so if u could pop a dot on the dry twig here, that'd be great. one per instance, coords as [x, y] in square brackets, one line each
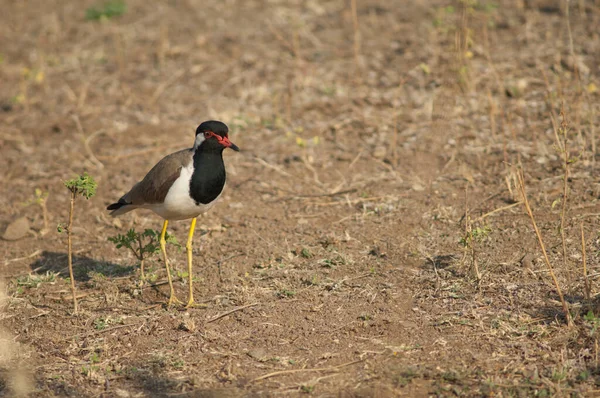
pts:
[291, 371]
[223, 315]
[542, 246]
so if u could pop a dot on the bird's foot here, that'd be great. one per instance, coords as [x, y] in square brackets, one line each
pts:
[193, 304]
[174, 300]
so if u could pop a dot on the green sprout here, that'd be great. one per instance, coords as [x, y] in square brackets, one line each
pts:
[83, 185]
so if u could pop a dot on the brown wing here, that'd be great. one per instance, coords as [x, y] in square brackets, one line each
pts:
[155, 186]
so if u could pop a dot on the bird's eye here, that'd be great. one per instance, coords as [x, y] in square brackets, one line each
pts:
[206, 134]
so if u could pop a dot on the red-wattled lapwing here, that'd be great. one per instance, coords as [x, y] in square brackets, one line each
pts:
[183, 185]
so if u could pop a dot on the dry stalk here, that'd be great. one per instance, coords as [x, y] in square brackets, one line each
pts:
[564, 128]
[492, 111]
[571, 47]
[141, 258]
[542, 246]
[70, 249]
[356, 33]
[553, 117]
[395, 123]
[469, 241]
[586, 282]
[291, 371]
[223, 315]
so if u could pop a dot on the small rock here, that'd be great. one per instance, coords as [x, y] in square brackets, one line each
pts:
[122, 393]
[418, 187]
[260, 354]
[527, 261]
[16, 229]
[117, 223]
[187, 325]
[511, 286]
[571, 63]
[379, 152]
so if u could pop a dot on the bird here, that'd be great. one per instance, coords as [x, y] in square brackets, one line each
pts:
[182, 186]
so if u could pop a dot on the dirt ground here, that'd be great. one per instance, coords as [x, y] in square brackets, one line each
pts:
[381, 147]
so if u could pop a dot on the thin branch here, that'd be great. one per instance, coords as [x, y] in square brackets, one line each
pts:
[70, 250]
[223, 315]
[564, 129]
[291, 371]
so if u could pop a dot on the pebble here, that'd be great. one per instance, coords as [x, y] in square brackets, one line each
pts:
[16, 229]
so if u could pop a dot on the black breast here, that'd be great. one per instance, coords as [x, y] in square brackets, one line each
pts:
[208, 178]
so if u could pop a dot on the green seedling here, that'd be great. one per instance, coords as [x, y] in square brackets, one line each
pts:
[84, 185]
[286, 293]
[142, 244]
[114, 8]
[475, 235]
[34, 281]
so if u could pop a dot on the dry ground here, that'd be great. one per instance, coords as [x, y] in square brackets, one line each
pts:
[337, 244]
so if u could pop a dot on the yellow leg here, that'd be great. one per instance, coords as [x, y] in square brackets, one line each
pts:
[163, 248]
[188, 248]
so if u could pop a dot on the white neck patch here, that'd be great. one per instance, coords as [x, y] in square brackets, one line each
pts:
[199, 140]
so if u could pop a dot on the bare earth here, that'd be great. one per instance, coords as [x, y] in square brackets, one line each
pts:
[333, 264]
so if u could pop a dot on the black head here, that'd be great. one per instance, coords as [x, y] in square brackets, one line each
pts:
[215, 135]
[215, 126]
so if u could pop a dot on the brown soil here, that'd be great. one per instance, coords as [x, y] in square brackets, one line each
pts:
[333, 264]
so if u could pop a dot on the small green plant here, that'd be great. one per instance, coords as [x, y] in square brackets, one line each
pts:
[103, 322]
[475, 235]
[286, 293]
[142, 244]
[305, 253]
[84, 185]
[113, 8]
[365, 317]
[405, 377]
[94, 357]
[34, 281]
[593, 323]
[178, 363]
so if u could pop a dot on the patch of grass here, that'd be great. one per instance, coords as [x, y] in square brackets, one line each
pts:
[405, 377]
[94, 357]
[178, 363]
[314, 281]
[104, 322]
[593, 322]
[365, 317]
[88, 371]
[284, 293]
[110, 9]
[34, 281]
[334, 261]
[307, 389]
[305, 253]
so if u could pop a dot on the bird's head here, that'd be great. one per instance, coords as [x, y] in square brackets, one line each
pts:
[213, 134]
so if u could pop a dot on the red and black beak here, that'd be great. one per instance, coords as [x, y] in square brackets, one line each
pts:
[228, 144]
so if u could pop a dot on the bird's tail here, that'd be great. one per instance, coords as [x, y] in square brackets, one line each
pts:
[121, 207]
